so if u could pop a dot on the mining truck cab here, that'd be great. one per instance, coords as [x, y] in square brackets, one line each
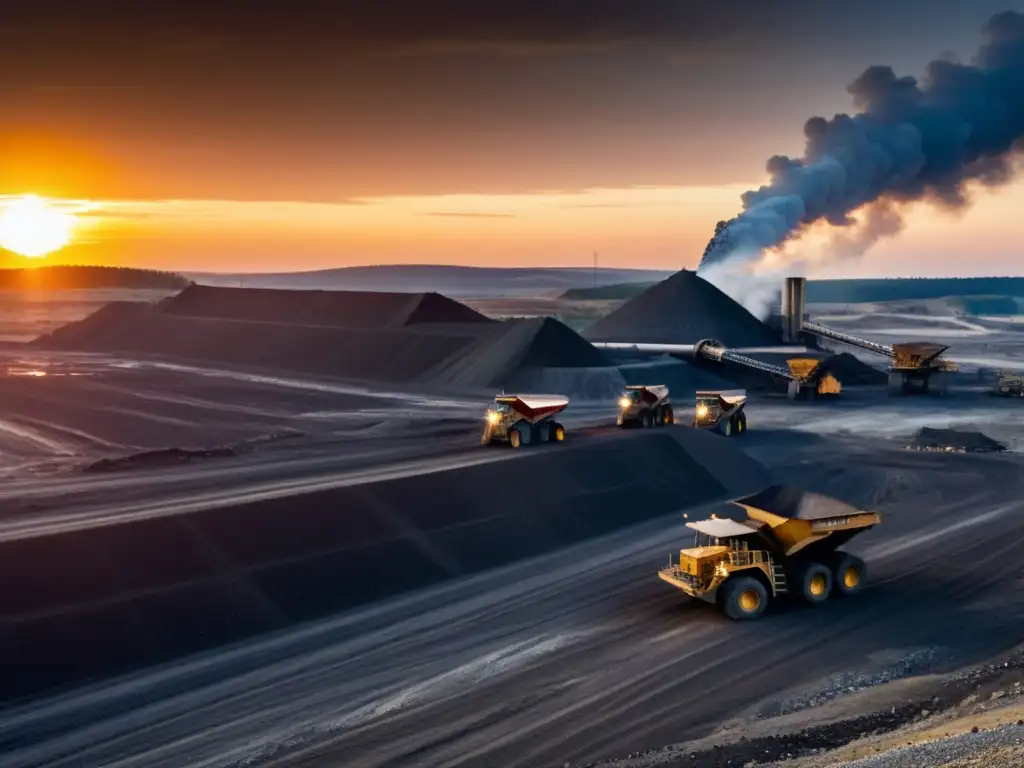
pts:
[721, 411]
[645, 405]
[524, 419]
[722, 548]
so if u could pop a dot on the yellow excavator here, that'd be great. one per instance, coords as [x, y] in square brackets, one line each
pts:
[787, 545]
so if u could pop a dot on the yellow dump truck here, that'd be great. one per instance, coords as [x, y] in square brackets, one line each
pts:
[787, 545]
[810, 379]
[1009, 384]
[646, 405]
[721, 410]
[524, 419]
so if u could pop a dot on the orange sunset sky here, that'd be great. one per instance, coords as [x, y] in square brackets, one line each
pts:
[207, 140]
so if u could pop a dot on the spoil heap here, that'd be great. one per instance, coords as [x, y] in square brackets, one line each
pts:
[851, 370]
[342, 309]
[378, 337]
[953, 440]
[524, 346]
[683, 309]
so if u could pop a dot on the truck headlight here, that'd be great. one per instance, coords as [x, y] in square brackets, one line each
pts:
[624, 402]
[492, 418]
[702, 411]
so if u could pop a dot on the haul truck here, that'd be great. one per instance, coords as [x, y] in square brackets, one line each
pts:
[788, 545]
[646, 405]
[1009, 385]
[524, 419]
[721, 410]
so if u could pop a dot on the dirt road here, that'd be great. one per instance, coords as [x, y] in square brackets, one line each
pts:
[572, 657]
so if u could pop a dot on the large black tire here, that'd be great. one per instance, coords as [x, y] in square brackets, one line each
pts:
[515, 437]
[744, 598]
[557, 432]
[648, 419]
[728, 426]
[543, 433]
[670, 416]
[814, 583]
[849, 574]
[741, 418]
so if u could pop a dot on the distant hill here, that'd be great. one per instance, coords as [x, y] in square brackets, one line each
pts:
[67, 278]
[904, 288]
[455, 281]
[612, 292]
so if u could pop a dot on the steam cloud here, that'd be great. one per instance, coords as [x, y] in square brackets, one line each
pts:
[907, 142]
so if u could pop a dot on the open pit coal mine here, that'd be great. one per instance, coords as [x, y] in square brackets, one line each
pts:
[493, 611]
[135, 592]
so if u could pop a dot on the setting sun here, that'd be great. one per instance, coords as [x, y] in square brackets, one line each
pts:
[32, 227]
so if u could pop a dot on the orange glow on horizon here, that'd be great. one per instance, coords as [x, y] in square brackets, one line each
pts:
[630, 227]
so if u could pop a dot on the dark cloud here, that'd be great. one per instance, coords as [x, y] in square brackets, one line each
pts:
[330, 99]
[910, 140]
[190, 26]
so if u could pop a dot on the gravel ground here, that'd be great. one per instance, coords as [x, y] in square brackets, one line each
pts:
[916, 662]
[1006, 742]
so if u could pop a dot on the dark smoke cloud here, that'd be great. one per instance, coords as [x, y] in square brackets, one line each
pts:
[909, 141]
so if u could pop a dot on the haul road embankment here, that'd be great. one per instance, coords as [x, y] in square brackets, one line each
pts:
[138, 588]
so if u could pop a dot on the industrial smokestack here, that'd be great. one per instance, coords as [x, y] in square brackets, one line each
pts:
[794, 308]
[909, 141]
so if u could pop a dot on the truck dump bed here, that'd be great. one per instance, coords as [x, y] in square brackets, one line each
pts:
[799, 518]
[651, 393]
[730, 398]
[534, 407]
[915, 355]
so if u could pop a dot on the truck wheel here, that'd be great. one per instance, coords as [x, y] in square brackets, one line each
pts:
[658, 417]
[745, 598]
[848, 574]
[727, 427]
[647, 419]
[557, 433]
[670, 417]
[815, 583]
[514, 438]
[742, 419]
[544, 433]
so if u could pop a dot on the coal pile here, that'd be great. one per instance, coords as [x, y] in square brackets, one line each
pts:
[954, 441]
[851, 371]
[148, 590]
[342, 309]
[679, 376]
[379, 337]
[683, 309]
[525, 347]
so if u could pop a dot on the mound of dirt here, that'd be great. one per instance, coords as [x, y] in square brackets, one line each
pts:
[101, 323]
[347, 309]
[851, 371]
[531, 344]
[682, 378]
[398, 355]
[423, 338]
[150, 589]
[160, 458]
[932, 439]
[683, 309]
